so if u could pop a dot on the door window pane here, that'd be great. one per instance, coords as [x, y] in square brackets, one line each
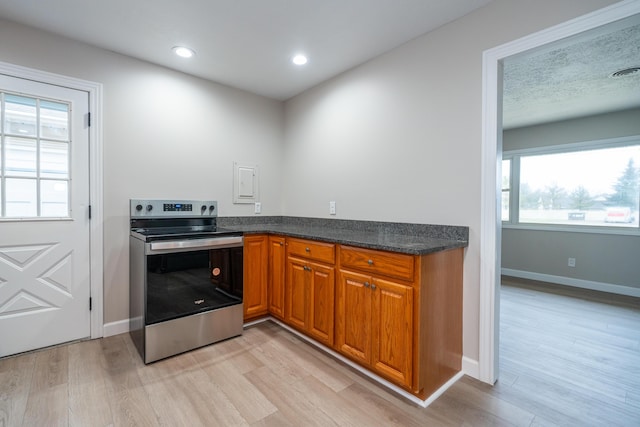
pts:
[35, 157]
[54, 159]
[21, 197]
[20, 157]
[54, 198]
[54, 120]
[20, 115]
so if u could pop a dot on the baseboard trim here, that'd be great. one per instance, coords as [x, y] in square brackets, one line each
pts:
[115, 328]
[366, 372]
[576, 283]
[471, 367]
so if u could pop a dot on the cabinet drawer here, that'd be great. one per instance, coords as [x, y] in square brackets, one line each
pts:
[325, 252]
[378, 262]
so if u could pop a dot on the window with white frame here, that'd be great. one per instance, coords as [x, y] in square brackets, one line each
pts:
[34, 157]
[590, 184]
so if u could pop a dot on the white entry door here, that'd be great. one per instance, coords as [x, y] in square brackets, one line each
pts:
[44, 215]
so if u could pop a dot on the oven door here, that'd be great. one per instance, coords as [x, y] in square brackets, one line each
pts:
[186, 277]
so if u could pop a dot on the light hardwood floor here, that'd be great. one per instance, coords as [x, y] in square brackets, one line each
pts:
[564, 361]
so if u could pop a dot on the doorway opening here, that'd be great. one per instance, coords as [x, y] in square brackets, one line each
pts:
[492, 146]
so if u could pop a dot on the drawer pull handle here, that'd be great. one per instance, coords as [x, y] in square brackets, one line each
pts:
[370, 262]
[307, 249]
[307, 268]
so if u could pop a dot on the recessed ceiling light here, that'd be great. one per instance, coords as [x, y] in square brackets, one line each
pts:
[183, 52]
[299, 60]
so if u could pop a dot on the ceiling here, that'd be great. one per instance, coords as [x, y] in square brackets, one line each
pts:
[248, 44]
[572, 77]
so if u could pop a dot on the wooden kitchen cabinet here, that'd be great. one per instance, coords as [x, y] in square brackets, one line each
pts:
[256, 269]
[310, 288]
[401, 315]
[374, 324]
[277, 260]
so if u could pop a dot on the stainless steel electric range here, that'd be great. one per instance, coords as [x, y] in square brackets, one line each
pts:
[185, 277]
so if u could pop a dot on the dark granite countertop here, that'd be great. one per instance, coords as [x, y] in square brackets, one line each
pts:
[414, 239]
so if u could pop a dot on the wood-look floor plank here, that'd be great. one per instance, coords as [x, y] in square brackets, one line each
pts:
[250, 402]
[293, 407]
[88, 402]
[15, 382]
[48, 403]
[129, 400]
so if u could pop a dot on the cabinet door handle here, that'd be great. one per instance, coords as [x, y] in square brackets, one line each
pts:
[370, 262]
[307, 249]
[281, 243]
[373, 287]
[366, 284]
[306, 268]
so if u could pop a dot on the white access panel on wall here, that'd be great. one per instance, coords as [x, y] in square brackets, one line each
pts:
[245, 183]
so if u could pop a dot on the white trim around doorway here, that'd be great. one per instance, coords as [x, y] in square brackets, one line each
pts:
[490, 232]
[95, 176]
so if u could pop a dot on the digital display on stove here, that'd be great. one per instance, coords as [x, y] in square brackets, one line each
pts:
[177, 207]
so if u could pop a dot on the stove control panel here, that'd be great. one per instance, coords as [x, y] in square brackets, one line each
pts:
[144, 208]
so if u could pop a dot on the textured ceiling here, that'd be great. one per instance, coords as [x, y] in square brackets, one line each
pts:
[572, 78]
[246, 44]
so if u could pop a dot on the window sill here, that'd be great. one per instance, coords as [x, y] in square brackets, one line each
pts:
[623, 231]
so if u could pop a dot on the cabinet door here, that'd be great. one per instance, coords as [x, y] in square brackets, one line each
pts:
[296, 293]
[276, 276]
[321, 302]
[392, 330]
[255, 276]
[353, 316]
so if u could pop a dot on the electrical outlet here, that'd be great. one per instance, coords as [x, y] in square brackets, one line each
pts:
[258, 207]
[332, 208]
[571, 262]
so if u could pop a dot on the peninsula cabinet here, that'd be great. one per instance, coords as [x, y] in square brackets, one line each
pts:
[401, 315]
[256, 268]
[277, 260]
[310, 288]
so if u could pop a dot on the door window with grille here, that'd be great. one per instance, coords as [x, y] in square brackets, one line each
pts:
[34, 157]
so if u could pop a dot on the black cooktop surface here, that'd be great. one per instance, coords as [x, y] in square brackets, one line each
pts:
[173, 233]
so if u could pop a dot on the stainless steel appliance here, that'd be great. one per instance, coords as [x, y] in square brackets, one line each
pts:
[185, 277]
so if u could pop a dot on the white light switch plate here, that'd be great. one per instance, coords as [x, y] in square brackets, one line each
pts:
[258, 207]
[332, 208]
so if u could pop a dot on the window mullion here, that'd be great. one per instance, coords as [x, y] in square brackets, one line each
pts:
[515, 190]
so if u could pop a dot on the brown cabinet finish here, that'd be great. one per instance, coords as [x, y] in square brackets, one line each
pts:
[401, 315]
[256, 269]
[310, 288]
[374, 324]
[308, 249]
[277, 259]
[399, 266]
[392, 330]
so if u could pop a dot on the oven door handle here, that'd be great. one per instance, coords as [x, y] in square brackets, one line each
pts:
[213, 243]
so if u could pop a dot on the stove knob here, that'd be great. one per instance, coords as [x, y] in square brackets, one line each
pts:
[149, 207]
[203, 208]
[211, 208]
[138, 208]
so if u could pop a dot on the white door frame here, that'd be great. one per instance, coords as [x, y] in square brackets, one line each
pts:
[490, 226]
[95, 176]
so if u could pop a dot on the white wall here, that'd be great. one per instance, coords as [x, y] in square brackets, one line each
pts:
[398, 138]
[166, 135]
